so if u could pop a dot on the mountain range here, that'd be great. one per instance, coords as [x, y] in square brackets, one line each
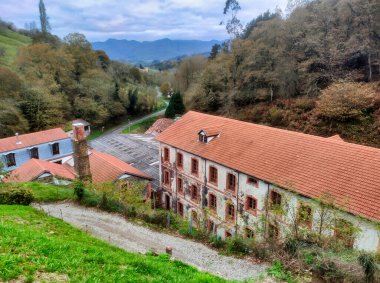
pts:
[148, 51]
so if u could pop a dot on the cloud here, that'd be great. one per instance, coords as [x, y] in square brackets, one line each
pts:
[135, 19]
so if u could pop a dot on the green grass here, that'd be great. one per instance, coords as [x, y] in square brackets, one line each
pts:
[43, 192]
[140, 127]
[11, 42]
[31, 242]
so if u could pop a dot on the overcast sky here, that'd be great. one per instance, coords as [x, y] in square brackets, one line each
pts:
[134, 19]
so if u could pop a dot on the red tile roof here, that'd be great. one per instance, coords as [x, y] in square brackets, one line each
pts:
[34, 168]
[104, 168]
[107, 168]
[159, 126]
[309, 165]
[27, 140]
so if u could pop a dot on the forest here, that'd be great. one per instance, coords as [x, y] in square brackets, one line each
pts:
[315, 69]
[47, 82]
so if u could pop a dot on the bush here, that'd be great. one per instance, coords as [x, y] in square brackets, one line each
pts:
[78, 189]
[237, 245]
[367, 262]
[21, 197]
[328, 271]
[291, 246]
[217, 242]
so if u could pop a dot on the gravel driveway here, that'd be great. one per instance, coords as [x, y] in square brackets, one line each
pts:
[131, 237]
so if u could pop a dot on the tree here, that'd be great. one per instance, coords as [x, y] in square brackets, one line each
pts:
[44, 19]
[233, 25]
[11, 120]
[165, 88]
[175, 107]
[42, 109]
[215, 49]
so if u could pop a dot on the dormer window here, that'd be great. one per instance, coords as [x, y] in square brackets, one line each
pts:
[202, 137]
[206, 135]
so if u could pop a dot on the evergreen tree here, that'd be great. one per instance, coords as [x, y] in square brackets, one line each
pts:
[175, 107]
[45, 26]
[214, 51]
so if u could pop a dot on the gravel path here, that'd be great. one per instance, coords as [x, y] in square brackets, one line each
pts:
[138, 239]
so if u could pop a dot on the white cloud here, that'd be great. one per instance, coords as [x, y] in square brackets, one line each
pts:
[135, 19]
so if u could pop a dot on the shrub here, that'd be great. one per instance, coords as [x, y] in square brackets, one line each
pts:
[237, 245]
[291, 246]
[217, 242]
[21, 197]
[328, 271]
[368, 265]
[78, 189]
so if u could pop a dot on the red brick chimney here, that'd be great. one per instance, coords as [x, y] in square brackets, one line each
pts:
[81, 157]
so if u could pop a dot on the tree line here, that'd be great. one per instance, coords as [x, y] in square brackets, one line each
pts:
[54, 81]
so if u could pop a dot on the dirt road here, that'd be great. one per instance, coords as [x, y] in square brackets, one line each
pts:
[134, 238]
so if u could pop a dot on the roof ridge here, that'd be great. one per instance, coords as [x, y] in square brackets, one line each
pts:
[324, 139]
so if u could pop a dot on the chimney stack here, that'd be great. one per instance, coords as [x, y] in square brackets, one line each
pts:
[81, 157]
[18, 139]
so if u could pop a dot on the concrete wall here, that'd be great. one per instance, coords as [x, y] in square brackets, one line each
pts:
[367, 237]
[44, 150]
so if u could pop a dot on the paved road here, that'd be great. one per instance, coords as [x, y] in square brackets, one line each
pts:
[139, 150]
[134, 238]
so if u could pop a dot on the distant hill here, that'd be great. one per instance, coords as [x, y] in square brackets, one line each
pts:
[11, 41]
[149, 51]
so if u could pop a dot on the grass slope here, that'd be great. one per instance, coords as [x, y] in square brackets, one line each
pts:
[43, 192]
[11, 41]
[32, 244]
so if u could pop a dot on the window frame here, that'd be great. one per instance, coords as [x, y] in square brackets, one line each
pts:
[179, 154]
[253, 181]
[301, 219]
[180, 181]
[228, 187]
[55, 148]
[230, 217]
[166, 154]
[180, 211]
[10, 162]
[210, 175]
[211, 207]
[191, 167]
[195, 188]
[273, 204]
[34, 150]
[247, 207]
[168, 179]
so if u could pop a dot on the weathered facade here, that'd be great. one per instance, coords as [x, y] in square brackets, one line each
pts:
[230, 200]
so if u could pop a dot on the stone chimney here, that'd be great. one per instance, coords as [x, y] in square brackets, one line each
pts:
[81, 157]
[18, 139]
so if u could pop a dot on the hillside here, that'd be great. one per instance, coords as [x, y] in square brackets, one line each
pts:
[11, 41]
[315, 71]
[148, 51]
[34, 246]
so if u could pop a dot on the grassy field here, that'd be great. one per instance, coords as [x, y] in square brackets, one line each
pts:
[11, 41]
[35, 246]
[43, 192]
[140, 127]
